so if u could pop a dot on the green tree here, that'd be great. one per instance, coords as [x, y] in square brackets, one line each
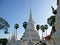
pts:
[25, 25]
[16, 26]
[46, 27]
[53, 30]
[43, 30]
[53, 10]
[3, 41]
[4, 25]
[37, 27]
[6, 31]
[51, 21]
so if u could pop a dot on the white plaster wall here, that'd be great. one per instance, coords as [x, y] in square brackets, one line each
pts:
[56, 35]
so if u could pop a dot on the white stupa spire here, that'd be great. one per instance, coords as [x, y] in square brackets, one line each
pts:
[31, 33]
[30, 17]
[31, 24]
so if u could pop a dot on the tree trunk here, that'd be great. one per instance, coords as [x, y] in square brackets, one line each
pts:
[46, 32]
[42, 35]
[16, 33]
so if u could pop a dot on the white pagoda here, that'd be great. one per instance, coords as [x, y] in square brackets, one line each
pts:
[30, 36]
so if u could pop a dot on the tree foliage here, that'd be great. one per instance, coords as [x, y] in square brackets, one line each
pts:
[42, 28]
[51, 20]
[16, 26]
[53, 30]
[25, 25]
[46, 26]
[37, 27]
[3, 41]
[53, 10]
[4, 25]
